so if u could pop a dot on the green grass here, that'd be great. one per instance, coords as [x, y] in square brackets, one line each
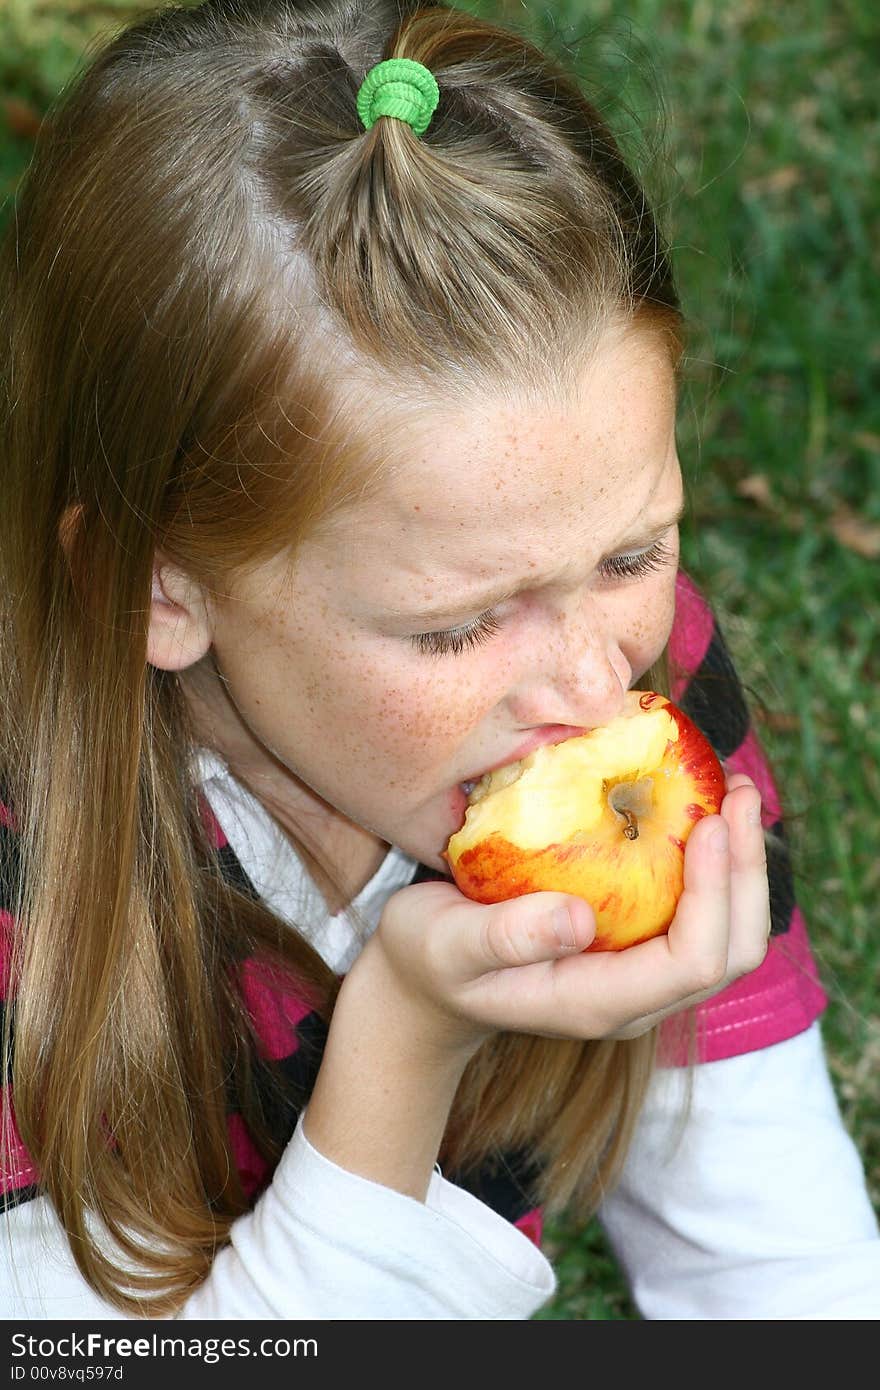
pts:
[768, 178]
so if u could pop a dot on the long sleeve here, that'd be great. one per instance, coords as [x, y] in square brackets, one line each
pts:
[757, 1206]
[320, 1243]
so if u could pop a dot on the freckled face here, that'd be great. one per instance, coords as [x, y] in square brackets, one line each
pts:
[564, 520]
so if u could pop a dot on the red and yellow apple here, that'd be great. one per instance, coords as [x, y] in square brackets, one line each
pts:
[604, 816]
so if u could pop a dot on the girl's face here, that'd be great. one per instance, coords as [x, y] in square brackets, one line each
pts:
[505, 587]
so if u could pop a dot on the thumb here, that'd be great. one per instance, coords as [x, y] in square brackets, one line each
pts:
[534, 927]
[474, 938]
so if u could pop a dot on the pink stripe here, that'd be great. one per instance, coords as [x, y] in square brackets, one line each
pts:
[778, 1000]
[691, 630]
[213, 828]
[7, 818]
[749, 758]
[531, 1223]
[253, 1169]
[274, 1006]
[16, 1168]
[784, 995]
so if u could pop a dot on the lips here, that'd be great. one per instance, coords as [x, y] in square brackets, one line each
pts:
[548, 733]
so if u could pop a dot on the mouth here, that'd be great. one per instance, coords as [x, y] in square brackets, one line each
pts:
[548, 733]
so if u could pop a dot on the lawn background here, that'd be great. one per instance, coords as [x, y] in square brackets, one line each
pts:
[756, 131]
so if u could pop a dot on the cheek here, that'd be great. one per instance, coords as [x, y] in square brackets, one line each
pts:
[380, 705]
[647, 622]
[423, 709]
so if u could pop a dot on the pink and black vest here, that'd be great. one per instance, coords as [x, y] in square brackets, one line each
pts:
[780, 999]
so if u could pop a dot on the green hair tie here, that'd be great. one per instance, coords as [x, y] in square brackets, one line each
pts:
[401, 88]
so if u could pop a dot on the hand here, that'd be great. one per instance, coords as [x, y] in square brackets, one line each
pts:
[520, 965]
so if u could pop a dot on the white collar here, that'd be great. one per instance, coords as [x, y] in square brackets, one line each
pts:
[278, 875]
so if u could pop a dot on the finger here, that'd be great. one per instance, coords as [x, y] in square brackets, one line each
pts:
[737, 779]
[749, 888]
[699, 934]
[532, 928]
[471, 939]
[540, 926]
[625, 992]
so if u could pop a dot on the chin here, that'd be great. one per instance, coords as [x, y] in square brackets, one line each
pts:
[424, 831]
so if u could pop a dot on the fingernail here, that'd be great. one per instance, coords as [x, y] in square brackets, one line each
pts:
[719, 839]
[563, 928]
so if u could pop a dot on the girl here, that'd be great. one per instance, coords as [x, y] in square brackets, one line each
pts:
[339, 466]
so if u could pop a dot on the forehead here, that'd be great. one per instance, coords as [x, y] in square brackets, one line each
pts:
[505, 473]
[503, 457]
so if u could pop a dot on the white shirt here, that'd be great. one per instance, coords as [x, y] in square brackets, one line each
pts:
[757, 1208]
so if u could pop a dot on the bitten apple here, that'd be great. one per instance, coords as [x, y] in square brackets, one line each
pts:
[605, 816]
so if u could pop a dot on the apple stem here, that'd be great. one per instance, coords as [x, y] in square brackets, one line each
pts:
[631, 829]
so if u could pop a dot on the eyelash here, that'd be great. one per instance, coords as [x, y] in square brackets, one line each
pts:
[455, 640]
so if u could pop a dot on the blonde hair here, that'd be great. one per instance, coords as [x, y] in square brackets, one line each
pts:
[211, 271]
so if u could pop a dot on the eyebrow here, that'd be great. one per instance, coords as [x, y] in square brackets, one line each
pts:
[482, 602]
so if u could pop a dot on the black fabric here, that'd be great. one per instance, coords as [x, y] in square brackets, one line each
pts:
[506, 1184]
[16, 1197]
[284, 1086]
[231, 869]
[425, 875]
[715, 700]
[10, 867]
[781, 879]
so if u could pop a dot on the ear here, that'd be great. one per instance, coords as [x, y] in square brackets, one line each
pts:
[180, 631]
[181, 628]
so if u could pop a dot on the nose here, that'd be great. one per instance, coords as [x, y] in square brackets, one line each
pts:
[580, 676]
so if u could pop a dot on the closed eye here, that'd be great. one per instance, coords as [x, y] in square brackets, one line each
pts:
[454, 640]
[637, 565]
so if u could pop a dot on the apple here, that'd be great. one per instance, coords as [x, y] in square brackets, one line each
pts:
[604, 815]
